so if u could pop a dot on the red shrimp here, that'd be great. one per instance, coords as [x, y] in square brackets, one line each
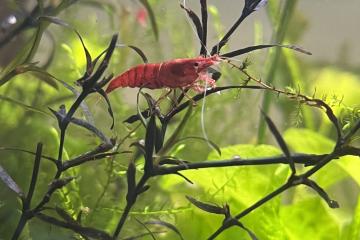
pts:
[177, 73]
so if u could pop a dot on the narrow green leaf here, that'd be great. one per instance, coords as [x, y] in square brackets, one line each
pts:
[38, 72]
[26, 107]
[26, 151]
[279, 35]
[152, 18]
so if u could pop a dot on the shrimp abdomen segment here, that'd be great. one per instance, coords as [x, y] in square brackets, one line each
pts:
[144, 75]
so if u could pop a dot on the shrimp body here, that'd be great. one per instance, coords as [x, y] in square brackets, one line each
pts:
[177, 73]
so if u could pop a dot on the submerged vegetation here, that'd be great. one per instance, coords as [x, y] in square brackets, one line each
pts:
[264, 154]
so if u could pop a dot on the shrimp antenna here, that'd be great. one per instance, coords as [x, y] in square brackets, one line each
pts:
[203, 118]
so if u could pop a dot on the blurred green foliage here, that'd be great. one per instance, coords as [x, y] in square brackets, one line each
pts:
[230, 118]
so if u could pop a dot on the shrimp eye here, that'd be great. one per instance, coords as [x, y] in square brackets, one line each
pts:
[196, 64]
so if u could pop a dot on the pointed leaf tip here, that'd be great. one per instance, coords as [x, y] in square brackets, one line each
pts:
[9, 182]
[206, 207]
[260, 4]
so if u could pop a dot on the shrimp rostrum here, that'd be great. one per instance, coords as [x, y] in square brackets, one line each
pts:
[183, 73]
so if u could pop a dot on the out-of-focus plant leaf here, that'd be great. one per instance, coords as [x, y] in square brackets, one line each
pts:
[351, 166]
[297, 217]
[107, 6]
[152, 18]
[41, 6]
[141, 235]
[26, 54]
[58, 21]
[354, 232]
[273, 11]
[167, 225]
[278, 36]
[9, 182]
[213, 145]
[26, 151]
[39, 72]
[55, 20]
[307, 141]
[26, 107]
